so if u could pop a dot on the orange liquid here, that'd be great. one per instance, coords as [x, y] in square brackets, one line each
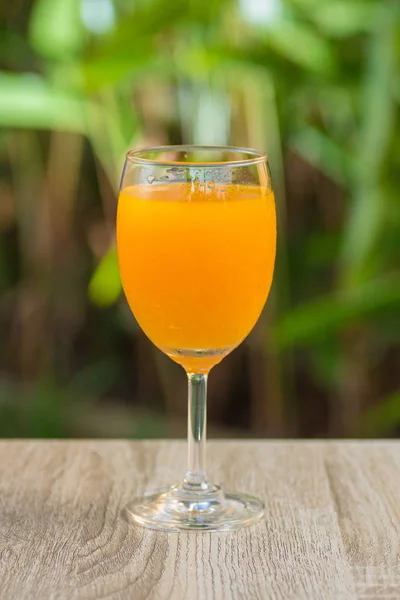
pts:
[196, 267]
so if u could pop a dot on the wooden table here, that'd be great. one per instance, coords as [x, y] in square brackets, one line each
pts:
[332, 528]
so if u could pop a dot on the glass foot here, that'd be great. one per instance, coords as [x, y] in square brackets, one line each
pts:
[181, 508]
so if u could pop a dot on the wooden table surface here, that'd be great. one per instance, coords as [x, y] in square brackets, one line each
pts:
[332, 527]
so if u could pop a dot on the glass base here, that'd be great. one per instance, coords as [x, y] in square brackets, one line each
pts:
[208, 509]
[197, 360]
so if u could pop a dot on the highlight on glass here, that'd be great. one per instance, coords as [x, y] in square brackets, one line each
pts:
[196, 237]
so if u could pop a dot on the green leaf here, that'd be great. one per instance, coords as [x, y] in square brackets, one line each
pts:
[319, 319]
[105, 286]
[131, 49]
[324, 153]
[144, 43]
[95, 380]
[300, 44]
[328, 362]
[44, 410]
[342, 18]
[383, 418]
[104, 70]
[56, 28]
[366, 216]
[113, 130]
[28, 101]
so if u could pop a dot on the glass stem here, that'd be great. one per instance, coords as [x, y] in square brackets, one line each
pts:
[197, 411]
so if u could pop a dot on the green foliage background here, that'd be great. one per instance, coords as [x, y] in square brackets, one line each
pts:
[314, 82]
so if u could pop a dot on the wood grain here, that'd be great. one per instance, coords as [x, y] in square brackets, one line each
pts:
[332, 528]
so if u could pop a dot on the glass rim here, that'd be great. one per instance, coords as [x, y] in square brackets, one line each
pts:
[255, 156]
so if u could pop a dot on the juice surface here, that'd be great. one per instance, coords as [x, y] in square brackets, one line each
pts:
[196, 266]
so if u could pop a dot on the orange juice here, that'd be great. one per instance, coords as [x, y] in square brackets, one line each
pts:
[196, 264]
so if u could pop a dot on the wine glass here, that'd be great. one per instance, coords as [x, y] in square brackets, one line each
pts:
[196, 237]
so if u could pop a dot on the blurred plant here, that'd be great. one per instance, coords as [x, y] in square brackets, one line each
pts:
[314, 82]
